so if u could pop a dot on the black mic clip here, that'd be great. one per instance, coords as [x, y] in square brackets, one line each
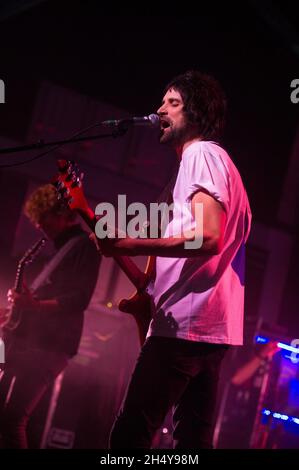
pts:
[152, 120]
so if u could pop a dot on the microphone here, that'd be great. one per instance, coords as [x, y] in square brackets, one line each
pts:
[151, 120]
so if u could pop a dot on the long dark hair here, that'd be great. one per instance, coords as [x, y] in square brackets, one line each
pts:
[204, 102]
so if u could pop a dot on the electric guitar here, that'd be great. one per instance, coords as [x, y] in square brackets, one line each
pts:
[13, 315]
[68, 184]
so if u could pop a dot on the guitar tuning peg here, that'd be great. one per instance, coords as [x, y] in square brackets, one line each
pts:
[69, 169]
[58, 185]
[62, 193]
[74, 176]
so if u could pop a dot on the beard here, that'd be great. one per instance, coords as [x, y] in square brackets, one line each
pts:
[173, 136]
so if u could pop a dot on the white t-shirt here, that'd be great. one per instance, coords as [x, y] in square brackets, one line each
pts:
[202, 298]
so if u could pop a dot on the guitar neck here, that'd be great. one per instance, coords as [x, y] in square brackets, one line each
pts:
[135, 275]
[28, 257]
[19, 279]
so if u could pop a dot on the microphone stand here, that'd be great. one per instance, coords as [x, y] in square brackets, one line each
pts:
[118, 131]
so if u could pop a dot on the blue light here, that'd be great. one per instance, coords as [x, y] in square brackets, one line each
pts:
[283, 417]
[288, 347]
[294, 357]
[261, 339]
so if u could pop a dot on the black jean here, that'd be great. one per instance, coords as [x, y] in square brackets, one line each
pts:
[25, 378]
[171, 372]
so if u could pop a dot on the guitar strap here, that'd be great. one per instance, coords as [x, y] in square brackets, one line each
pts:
[52, 265]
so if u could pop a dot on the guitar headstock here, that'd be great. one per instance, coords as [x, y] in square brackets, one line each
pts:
[32, 252]
[68, 184]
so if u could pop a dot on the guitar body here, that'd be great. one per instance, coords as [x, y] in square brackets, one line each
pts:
[4, 314]
[138, 305]
[13, 315]
[14, 318]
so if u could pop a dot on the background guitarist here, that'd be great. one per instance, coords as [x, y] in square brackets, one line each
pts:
[52, 318]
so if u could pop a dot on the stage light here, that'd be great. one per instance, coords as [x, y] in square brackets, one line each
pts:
[261, 339]
[280, 416]
[286, 347]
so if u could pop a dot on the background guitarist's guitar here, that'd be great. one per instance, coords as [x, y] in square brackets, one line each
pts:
[68, 183]
[13, 315]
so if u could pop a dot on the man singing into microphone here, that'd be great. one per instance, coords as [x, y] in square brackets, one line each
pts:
[197, 292]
